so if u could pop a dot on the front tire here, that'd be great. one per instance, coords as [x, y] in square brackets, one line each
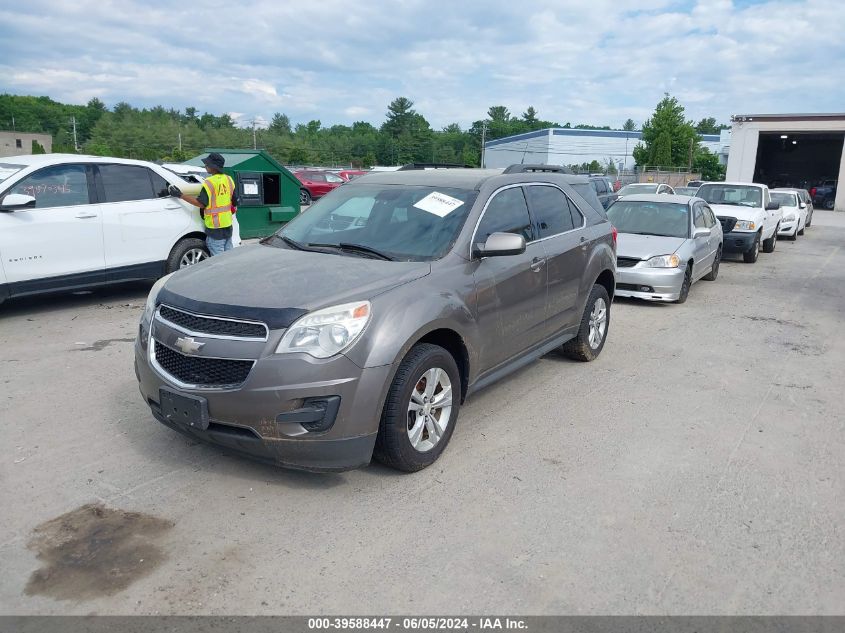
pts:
[592, 333]
[187, 252]
[750, 256]
[714, 270]
[829, 204]
[685, 286]
[770, 244]
[421, 409]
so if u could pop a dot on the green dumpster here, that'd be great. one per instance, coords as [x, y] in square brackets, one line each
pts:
[268, 193]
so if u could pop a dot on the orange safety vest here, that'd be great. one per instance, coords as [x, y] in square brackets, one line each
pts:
[218, 213]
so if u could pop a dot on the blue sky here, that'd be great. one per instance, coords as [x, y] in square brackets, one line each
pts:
[339, 61]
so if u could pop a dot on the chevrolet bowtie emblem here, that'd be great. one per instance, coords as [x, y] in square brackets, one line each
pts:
[188, 345]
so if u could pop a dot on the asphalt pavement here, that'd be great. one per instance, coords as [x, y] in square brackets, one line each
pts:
[695, 468]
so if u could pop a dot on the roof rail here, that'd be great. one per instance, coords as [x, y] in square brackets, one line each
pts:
[521, 169]
[412, 166]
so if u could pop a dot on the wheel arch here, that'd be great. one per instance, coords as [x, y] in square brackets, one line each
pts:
[607, 280]
[453, 343]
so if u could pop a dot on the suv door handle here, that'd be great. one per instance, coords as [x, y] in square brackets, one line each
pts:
[537, 263]
[83, 215]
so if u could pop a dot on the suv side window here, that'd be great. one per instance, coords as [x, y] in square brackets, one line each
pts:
[549, 209]
[506, 213]
[333, 178]
[122, 183]
[709, 217]
[56, 186]
[601, 187]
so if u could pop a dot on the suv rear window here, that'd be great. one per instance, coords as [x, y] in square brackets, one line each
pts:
[550, 209]
[122, 183]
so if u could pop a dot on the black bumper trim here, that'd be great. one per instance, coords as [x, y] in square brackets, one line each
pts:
[734, 242]
[312, 455]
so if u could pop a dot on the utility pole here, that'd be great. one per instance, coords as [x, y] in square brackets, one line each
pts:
[13, 124]
[75, 144]
[254, 142]
[483, 141]
[180, 141]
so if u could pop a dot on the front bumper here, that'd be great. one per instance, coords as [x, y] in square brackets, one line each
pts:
[652, 284]
[788, 227]
[261, 418]
[738, 241]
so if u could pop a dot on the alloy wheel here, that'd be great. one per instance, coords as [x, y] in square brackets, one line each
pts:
[429, 409]
[191, 257]
[598, 323]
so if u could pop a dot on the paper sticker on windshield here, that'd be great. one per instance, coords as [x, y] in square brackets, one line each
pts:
[250, 188]
[439, 204]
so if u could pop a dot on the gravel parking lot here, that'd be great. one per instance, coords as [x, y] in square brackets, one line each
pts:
[695, 468]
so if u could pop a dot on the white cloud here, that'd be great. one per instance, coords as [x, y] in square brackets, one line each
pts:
[598, 64]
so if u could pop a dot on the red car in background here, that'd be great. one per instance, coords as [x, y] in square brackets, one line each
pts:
[315, 184]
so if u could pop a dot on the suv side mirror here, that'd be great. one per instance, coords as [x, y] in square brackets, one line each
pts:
[17, 202]
[773, 206]
[801, 205]
[500, 245]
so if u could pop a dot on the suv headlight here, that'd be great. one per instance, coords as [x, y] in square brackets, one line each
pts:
[745, 225]
[150, 307]
[327, 332]
[664, 261]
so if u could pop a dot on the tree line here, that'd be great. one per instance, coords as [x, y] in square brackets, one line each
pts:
[405, 135]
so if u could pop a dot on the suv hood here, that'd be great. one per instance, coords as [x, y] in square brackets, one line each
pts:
[278, 285]
[736, 211]
[646, 246]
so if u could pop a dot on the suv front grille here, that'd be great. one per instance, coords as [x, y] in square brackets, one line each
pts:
[728, 223]
[201, 371]
[216, 326]
[627, 262]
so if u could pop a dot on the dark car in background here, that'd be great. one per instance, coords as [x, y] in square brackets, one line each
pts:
[361, 339]
[604, 188]
[824, 194]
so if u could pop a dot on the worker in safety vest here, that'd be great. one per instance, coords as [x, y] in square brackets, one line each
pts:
[217, 201]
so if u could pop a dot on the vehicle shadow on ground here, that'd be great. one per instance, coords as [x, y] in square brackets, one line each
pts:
[134, 292]
[632, 301]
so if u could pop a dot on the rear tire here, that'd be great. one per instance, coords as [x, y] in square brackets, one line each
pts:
[595, 323]
[714, 271]
[414, 431]
[750, 256]
[801, 232]
[770, 244]
[187, 252]
[304, 197]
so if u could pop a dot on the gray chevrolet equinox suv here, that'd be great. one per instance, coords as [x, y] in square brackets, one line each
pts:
[358, 329]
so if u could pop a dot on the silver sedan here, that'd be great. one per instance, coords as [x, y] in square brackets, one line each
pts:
[666, 243]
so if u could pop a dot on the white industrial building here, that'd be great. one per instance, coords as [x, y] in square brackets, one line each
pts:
[564, 146]
[792, 150]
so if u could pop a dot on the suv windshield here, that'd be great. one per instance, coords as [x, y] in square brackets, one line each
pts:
[398, 222]
[738, 195]
[7, 170]
[784, 199]
[667, 219]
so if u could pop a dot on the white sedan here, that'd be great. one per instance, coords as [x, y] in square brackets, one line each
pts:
[794, 212]
[70, 222]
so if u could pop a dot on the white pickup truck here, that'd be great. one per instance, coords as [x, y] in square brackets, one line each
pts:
[748, 216]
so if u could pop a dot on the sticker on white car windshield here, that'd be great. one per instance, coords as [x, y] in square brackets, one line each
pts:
[439, 204]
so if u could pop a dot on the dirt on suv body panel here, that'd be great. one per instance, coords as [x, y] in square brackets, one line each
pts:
[363, 324]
